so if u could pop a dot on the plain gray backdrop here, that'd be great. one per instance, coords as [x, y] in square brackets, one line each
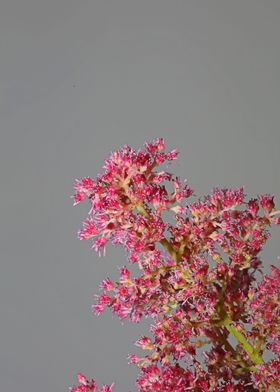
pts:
[78, 80]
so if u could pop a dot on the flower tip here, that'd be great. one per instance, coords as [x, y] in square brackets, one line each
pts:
[172, 155]
[82, 379]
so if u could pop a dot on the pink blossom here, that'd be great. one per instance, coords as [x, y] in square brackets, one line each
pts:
[89, 230]
[266, 202]
[107, 284]
[84, 188]
[89, 385]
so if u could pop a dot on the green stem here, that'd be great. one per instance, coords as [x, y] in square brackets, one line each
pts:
[254, 356]
[142, 211]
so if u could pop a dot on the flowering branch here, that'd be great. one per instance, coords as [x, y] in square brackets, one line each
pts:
[192, 303]
[255, 358]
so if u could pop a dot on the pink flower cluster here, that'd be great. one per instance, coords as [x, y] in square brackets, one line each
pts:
[198, 282]
[89, 385]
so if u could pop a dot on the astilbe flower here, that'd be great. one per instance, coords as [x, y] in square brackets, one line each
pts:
[198, 275]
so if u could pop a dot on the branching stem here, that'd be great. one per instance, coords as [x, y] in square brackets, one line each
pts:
[226, 322]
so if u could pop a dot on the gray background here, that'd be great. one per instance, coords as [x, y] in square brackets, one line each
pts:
[79, 79]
